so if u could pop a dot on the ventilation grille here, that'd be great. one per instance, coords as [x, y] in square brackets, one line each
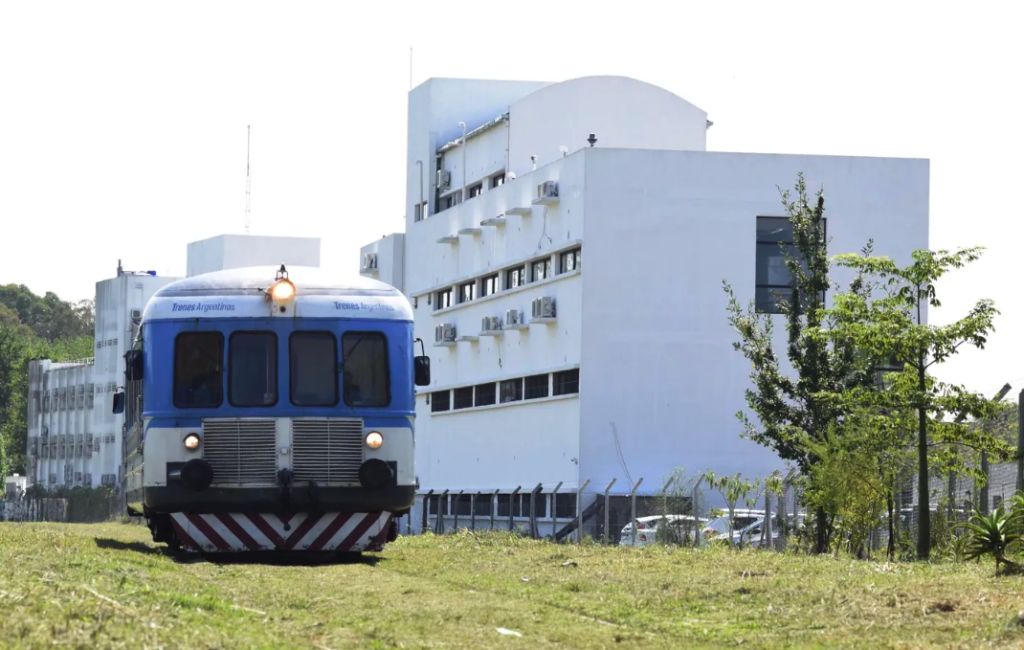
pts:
[241, 451]
[327, 451]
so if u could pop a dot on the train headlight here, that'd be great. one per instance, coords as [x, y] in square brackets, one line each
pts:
[191, 442]
[283, 290]
[374, 440]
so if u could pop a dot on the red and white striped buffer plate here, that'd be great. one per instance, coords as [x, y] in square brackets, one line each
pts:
[331, 531]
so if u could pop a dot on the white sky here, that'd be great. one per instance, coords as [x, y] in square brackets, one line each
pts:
[122, 125]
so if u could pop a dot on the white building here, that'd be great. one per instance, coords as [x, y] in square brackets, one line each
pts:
[546, 373]
[74, 438]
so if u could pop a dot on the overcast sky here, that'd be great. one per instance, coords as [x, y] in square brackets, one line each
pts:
[123, 125]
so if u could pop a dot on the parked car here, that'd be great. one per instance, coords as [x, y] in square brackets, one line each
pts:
[747, 529]
[672, 528]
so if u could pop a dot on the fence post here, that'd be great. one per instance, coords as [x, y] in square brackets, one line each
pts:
[607, 509]
[442, 503]
[472, 511]
[766, 535]
[663, 506]
[632, 511]
[494, 507]
[533, 511]
[458, 502]
[695, 511]
[1020, 441]
[579, 511]
[983, 496]
[426, 511]
[512, 507]
[554, 512]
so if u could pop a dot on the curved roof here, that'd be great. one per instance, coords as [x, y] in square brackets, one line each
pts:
[241, 293]
[621, 83]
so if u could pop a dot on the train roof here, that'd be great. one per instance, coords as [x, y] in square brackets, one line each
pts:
[241, 293]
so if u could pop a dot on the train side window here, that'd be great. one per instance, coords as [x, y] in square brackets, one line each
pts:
[313, 359]
[365, 358]
[199, 370]
[252, 369]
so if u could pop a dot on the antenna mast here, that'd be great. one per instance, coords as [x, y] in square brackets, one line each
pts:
[247, 179]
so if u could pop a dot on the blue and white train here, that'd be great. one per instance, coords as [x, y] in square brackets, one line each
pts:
[268, 410]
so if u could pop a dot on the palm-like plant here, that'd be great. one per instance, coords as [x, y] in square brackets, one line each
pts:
[991, 534]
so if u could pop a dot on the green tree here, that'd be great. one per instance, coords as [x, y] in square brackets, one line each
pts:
[793, 410]
[893, 326]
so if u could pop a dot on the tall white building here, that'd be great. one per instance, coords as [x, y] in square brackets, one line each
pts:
[74, 438]
[548, 371]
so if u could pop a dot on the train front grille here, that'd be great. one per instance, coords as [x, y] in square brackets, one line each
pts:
[327, 450]
[241, 450]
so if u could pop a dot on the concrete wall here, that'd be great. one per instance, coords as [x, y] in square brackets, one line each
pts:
[663, 230]
[238, 251]
[390, 252]
[621, 112]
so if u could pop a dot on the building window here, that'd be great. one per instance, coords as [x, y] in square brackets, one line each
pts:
[511, 390]
[498, 181]
[482, 504]
[451, 200]
[515, 277]
[520, 505]
[486, 394]
[444, 299]
[417, 212]
[198, 370]
[567, 382]
[772, 279]
[364, 358]
[434, 503]
[570, 261]
[463, 398]
[313, 358]
[461, 504]
[536, 386]
[440, 401]
[489, 286]
[565, 505]
[476, 190]
[467, 292]
[541, 269]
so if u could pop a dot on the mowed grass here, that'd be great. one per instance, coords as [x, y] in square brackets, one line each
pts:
[108, 586]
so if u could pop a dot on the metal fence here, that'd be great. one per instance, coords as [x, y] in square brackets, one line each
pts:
[66, 509]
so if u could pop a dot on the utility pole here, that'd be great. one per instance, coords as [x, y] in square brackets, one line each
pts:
[247, 177]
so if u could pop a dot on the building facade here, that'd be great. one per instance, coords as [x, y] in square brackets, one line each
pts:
[548, 372]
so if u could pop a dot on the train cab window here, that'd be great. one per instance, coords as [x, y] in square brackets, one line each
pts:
[365, 359]
[198, 370]
[314, 368]
[252, 369]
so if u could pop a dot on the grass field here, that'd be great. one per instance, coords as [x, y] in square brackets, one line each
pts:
[108, 586]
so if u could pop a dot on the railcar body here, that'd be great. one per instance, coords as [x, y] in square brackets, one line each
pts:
[272, 410]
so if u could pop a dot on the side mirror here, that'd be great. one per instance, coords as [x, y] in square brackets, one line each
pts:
[421, 365]
[133, 365]
[118, 403]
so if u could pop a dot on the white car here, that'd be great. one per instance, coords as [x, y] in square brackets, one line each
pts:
[748, 527]
[679, 527]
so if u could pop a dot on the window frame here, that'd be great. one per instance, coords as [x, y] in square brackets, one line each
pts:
[527, 396]
[455, 398]
[575, 255]
[433, 401]
[496, 181]
[777, 244]
[277, 369]
[492, 390]
[471, 285]
[337, 379]
[476, 190]
[546, 261]
[521, 277]
[437, 298]
[556, 384]
[483, 285]
[387, 369]
[174, 372]
[517, 395]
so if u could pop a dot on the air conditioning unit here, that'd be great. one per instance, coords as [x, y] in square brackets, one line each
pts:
[44, 451]
[444, 179]
[449, 332]
[547, 190]
[78, 477]
[96, 445]
[547, 307]
[490, 324]
[438, 333]
[46, 431]
[513, 317]
[136, 314]
[87, 479]
[53, 479]
[370, 261]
